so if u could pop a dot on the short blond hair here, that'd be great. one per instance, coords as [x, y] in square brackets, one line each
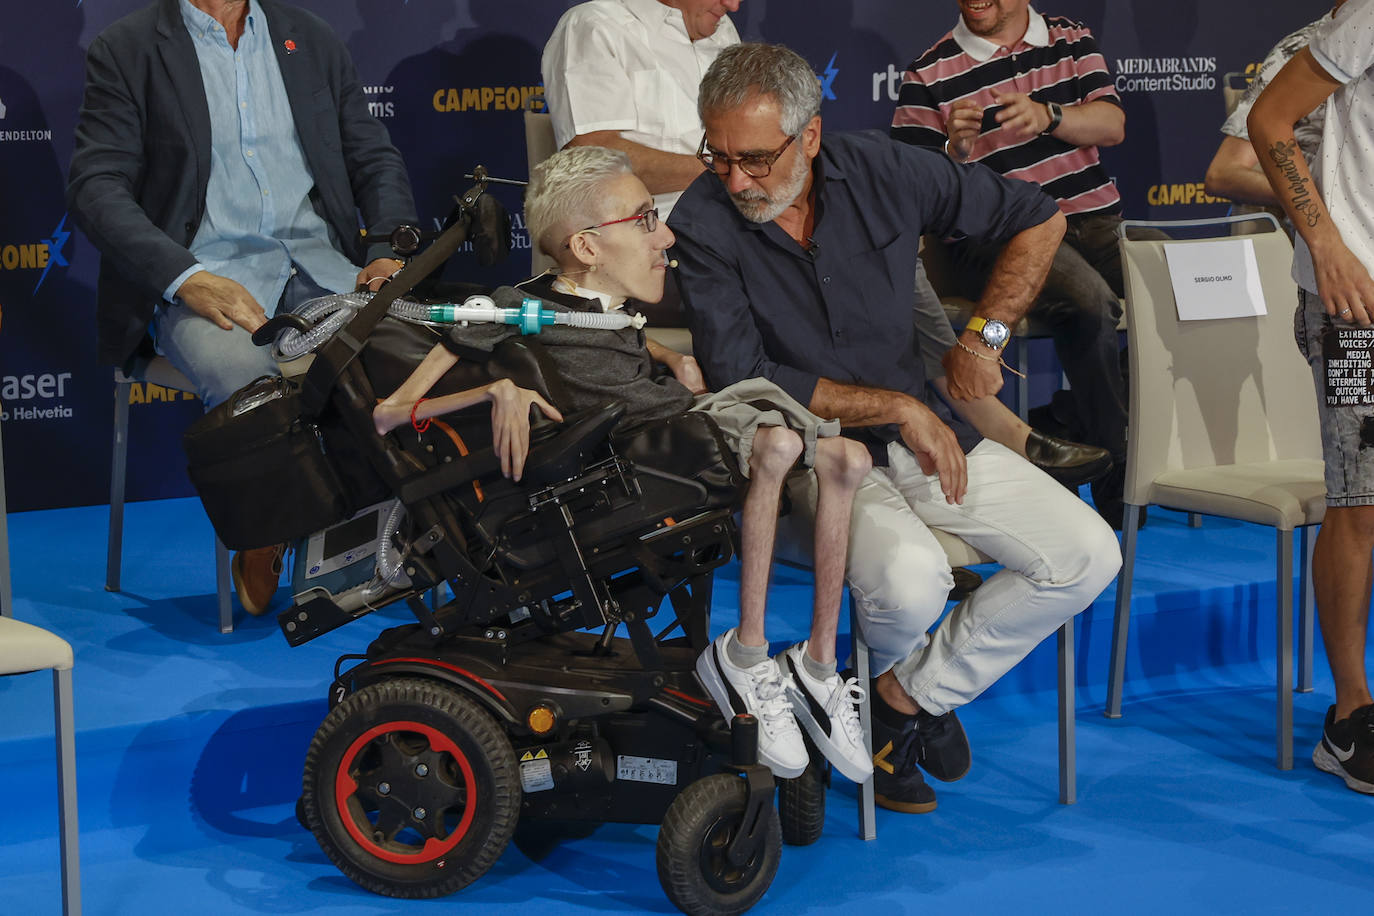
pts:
[564, 193]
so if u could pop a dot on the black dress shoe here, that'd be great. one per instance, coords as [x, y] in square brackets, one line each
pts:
[966, 582]
[1070, 463]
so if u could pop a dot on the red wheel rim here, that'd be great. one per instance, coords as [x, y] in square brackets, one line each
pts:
[355, 820]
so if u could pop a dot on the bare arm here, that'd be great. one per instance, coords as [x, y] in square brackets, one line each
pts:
[1011, 289]
[662, 173]
[1236, 175]
[932, 442]
[683, 366]
[1090, 124]
[1343, 282]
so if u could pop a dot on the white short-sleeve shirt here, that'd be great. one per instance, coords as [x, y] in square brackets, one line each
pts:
[628, 66]
[1344, 48]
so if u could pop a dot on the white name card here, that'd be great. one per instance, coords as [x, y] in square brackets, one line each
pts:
[1215, 279]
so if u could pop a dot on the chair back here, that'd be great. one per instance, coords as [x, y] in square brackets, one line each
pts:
[539, 145]
[1214, 392]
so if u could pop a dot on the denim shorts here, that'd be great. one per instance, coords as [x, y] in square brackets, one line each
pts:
[1347, 432]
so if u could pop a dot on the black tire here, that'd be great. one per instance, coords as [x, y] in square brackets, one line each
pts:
[696, 831]
[391, 749]
[801, 805]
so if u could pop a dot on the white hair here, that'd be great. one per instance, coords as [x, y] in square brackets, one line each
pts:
[564, 193]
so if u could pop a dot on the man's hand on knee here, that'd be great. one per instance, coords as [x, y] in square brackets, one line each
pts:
[937, 450]
[221, 300]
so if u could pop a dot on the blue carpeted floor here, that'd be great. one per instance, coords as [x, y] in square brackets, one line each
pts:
[190, 749]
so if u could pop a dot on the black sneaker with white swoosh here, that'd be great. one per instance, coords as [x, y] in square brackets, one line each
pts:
[1347, 748]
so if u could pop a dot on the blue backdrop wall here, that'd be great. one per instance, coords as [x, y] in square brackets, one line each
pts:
[449, 78]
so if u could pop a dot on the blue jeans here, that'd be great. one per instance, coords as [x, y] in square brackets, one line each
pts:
[221, 362]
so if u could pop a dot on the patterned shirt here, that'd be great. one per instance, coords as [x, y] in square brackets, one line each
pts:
[1344, 48]
[1057, 60]
[1309, 129]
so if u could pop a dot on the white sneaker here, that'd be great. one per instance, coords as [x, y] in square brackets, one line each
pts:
[760, 691]
[829, 711]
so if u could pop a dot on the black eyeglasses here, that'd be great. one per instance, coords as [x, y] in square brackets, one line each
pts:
[646, 218]
[756, 166]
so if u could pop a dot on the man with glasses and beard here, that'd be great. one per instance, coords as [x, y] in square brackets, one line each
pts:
[796, 257]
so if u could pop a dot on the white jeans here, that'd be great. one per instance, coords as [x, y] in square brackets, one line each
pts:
[1056, 553]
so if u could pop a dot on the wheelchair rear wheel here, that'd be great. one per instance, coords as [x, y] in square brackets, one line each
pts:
[693, 867]
[411, 788]
[801, 805]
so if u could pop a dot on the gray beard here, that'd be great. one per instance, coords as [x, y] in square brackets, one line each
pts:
[761, 208]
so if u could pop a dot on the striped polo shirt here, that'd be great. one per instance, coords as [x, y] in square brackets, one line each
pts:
[1057, 60]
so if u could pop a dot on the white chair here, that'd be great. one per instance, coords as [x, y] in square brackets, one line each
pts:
[159, 371]
[539, 145]
[1223, 421]
[6, 593]
[25, 648]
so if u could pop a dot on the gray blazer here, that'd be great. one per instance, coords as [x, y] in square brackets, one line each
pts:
[142, 158]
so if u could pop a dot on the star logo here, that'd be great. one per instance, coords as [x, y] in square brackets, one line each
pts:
[55, 243]
[827, 78]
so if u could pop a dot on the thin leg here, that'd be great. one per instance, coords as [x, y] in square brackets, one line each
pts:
[1284, 541]
[222, 587]
[66, 781]
[868, 826]
[1116, 676]
[118, 466]
[1068, 762]
[1307, 611]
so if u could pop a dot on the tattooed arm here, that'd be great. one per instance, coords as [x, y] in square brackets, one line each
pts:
[1342, 280]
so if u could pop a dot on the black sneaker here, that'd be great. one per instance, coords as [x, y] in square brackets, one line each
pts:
[1347, 748]
[943, 749]
[897, 781]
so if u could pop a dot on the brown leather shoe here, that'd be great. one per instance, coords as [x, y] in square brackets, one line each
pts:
[256, 574]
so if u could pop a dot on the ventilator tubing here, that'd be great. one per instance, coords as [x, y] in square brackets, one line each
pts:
[327, 314]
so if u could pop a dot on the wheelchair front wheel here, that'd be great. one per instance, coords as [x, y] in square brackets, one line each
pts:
[697, 831]
[801, 805]
[411, 788]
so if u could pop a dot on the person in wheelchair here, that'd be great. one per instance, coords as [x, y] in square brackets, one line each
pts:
[586, 209]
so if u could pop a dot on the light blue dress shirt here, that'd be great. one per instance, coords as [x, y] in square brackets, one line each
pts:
[259, 222]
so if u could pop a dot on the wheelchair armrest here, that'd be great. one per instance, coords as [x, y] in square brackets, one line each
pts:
[556, 454]
[560, 456]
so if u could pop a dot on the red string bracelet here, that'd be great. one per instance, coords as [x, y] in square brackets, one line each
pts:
[420, 425]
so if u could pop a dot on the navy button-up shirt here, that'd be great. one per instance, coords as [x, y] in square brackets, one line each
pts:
[760, 305]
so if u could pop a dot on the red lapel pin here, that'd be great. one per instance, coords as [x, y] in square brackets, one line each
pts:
[290, 46]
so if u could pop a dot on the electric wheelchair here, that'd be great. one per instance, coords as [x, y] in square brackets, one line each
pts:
[543, 689]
